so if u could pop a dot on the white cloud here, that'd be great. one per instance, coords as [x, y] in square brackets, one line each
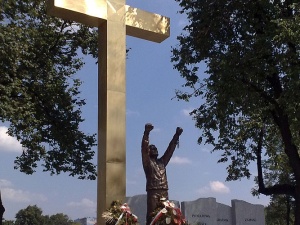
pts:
[218, 187]
[8, 143]
[180, 160]
[214, 187]
[87, 206]
[186, 112]
[84, 203]
[156, 130]
[17, 195]
[204, 190]
[9, 193]
[132, 113]
[5, 183]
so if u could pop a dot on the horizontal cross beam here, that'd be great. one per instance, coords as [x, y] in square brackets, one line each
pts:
[139, 23]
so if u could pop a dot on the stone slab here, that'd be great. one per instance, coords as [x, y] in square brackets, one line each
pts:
[224, 214]
[244, 213]
[202, 211]
[138, 206]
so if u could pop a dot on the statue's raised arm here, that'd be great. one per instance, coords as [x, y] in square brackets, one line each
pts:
[145, 144]
[172, 145]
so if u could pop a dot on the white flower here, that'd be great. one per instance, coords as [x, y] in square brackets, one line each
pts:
[174, 212]
[164, 210]
[168, 220]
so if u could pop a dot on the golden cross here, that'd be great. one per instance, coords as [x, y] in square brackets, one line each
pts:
[114, 20]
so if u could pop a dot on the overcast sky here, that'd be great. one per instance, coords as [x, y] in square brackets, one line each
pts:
[151, 82]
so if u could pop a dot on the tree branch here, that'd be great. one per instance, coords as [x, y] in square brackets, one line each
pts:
[286, 189]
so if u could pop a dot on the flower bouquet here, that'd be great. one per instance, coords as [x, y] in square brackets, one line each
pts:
[119, 214]
[167, 214]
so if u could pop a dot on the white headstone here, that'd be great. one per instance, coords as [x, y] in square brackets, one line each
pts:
[224, 214]
[202, 211]
[245, 213]
[138, 206]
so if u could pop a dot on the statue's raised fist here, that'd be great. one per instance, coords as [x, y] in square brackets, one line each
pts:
[179, 130]
[148, 127]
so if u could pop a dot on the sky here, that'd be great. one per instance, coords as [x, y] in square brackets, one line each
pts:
[151, 81]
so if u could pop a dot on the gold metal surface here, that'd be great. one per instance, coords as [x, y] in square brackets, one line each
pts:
[114, 20]
[88, 12]
[139, 23]
[146, 25]
[111, 114]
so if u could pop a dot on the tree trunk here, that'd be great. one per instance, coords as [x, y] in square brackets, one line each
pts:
[288, 209]
[286, 189]
[297, 203]
[2, 210]
[291, 151]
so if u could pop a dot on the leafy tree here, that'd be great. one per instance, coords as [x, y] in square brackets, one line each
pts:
[32, 215]
[38, 90]
[60, 219]
[8, 222]
[279, 211]
[251, 87]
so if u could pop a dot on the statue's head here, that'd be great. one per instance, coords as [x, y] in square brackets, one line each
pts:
[153, 151]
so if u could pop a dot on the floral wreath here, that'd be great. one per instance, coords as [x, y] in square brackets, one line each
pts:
[167, 213]
[119, 214]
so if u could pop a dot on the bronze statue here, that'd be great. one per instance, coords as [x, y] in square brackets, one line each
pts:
[155, 169]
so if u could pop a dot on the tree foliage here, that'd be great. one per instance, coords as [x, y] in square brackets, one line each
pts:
[250, 90]
[39, 94]
[33, 215]
[280, 210]
[8, 222]
[60, 219]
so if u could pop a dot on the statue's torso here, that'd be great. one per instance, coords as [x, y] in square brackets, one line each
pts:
[156, 175]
